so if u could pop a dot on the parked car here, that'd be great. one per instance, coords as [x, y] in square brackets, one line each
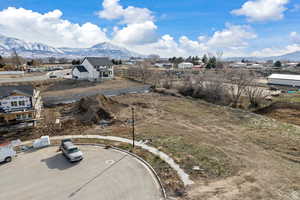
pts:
[70, 151]
[6, 152]
[52, 76]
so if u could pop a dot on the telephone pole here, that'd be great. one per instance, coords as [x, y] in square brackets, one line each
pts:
[133, 135]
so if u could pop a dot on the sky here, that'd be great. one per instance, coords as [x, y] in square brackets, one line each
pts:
[167, 27]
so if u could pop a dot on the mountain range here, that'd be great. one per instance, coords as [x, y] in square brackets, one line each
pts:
[34, 50]
[40, 50]
[294, 57]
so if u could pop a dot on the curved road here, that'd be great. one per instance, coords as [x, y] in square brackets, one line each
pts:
[103, 175]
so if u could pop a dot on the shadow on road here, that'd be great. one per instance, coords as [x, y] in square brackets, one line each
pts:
[59, 162]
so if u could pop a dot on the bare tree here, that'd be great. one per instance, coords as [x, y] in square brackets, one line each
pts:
[143, 71]
[255, 94]
[238, 81]
[15, 59]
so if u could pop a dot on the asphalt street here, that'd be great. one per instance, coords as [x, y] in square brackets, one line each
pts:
[55, 100]
[102, 174]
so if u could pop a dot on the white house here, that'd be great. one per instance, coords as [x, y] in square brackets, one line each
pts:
[284, 80]
[94, 68]
[19, 104]
[185, 65]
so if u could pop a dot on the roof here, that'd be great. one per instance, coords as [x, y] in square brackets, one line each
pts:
[26, 90]
[285, 76]
[81, 68]
[99, 61]
[69, 145]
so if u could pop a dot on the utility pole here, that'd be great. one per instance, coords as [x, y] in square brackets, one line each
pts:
[133, 135]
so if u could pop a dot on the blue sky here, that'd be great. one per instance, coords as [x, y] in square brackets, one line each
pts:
[167, 25]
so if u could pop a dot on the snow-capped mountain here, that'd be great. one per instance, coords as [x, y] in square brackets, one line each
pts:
[295, 56]
[7, 44]
[33, 49]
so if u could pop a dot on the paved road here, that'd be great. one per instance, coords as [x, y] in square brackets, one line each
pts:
[54, 100]
[102, 175]
[58, 73]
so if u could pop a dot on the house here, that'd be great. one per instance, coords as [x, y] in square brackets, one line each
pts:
[284, 80]
[185, 65]
[19, 104]
[93, 69]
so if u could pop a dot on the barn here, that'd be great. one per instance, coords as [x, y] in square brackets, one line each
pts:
[284, 80]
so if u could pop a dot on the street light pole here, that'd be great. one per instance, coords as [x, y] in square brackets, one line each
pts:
[133, 135]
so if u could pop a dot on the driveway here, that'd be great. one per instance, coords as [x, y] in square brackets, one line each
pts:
[102, 175]
[58, 73]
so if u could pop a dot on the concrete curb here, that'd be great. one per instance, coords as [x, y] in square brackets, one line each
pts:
[182, 175]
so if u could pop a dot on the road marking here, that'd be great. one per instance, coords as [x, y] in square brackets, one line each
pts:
[109, 162]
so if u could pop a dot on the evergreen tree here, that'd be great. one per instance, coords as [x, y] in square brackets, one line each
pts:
[205, 59]
[212, 63]
[277, 64]
[1, 62]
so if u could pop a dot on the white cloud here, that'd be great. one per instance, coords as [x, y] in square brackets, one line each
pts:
[262, 10]
[132, 34]
[232, 37]
[295, 37]
[48, 28]
[130, 15]
[139, 23]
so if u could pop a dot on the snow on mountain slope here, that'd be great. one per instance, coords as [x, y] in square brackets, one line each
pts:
[33, 49]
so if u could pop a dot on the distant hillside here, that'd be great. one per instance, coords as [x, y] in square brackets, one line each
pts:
[286, 57]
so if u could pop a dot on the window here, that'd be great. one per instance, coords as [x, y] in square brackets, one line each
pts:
[30, 115]
[14, 103]
[18, 116]
[21, 103]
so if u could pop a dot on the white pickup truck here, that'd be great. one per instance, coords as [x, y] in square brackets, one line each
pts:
[6, 152]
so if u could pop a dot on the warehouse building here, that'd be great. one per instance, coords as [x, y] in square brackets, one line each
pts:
[284, 80]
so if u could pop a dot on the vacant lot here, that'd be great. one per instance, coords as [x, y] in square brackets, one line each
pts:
[240, 155]
[73, 87]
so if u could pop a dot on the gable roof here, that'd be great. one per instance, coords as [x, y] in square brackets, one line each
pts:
[99, 61]
[81, 68]
[26, 90]
[285, 77]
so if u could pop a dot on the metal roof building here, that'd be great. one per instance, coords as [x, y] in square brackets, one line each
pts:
[284, 80]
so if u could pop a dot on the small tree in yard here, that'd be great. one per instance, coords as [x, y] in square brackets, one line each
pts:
[238, 80]
[277, 64]
[255, 95]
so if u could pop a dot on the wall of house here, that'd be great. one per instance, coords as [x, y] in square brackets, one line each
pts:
[80, 75]
[6, 103]
[185, 65]
[275, 81]
[92, 72]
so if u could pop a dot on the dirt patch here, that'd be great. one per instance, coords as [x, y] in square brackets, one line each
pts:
[282, 111]
[91, 110]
